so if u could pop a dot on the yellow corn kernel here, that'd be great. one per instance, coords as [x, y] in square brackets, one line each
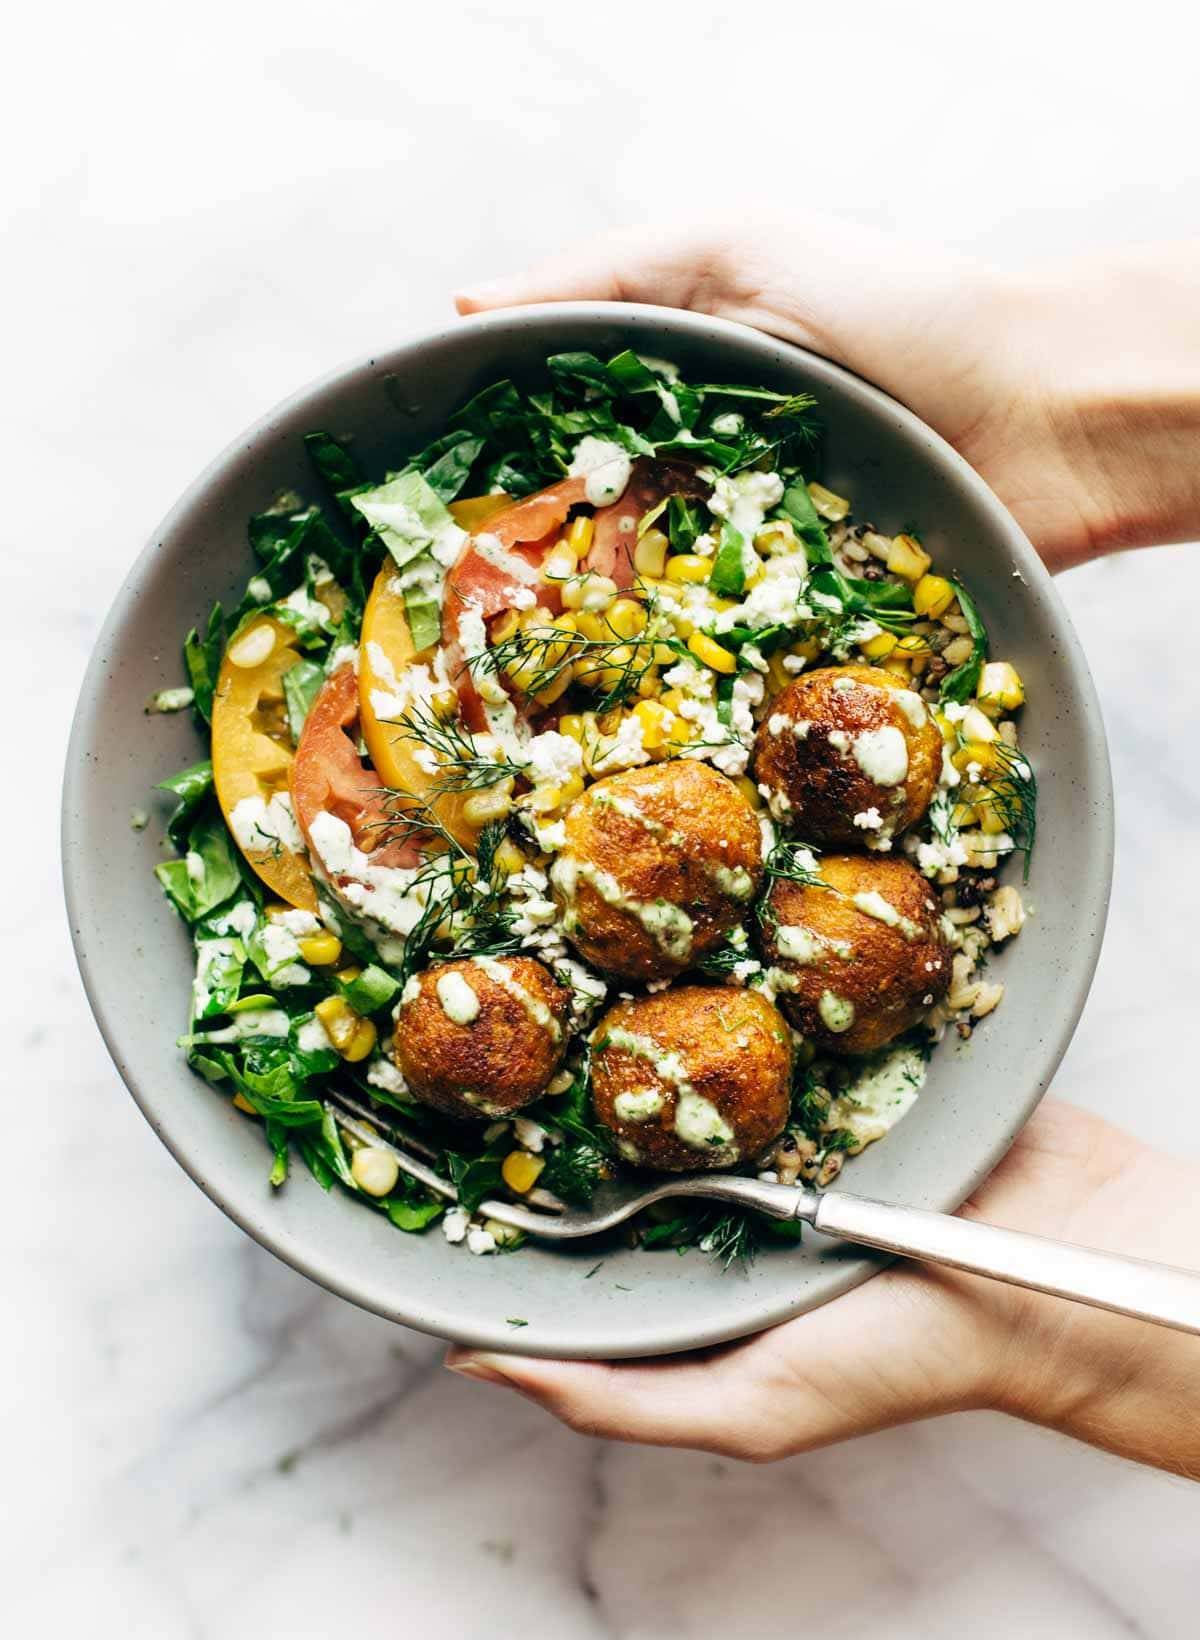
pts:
[673, 700]
[593, 593]
[962, 815]
[508, 858]
[347, 975]
[504, 626]
[374, 1170]
[445, 703]
[981, 752]
[932, 596]
[571, 788]
[558, 566]
[591, 626]
[688, 567]
[778, 677]
[908, 558]
[1000, 686]
[807, 649]
[948, 731]
[492, 804]
[912, 647]
[879, 647]
[650, 554]
[976, 725]
[649, 685]
[775, 539]
[571, 724]
[898, 668]
[579, 535]
[351, 1034]
[710, 653]
[552, 691]
[319, 950]
[991, 821]
[749, 791]
[521, 1171]
[627, 618]
[680, 734]
[656, 721]
[663, 654]
[545, 799]
[830, 506]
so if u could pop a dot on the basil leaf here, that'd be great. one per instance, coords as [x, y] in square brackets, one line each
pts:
[728, 578]
[301, 686]
[191, 787]
[202, 661]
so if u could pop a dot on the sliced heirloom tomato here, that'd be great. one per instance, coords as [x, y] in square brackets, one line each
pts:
[329, 778]
[386, 653]
[251, 747]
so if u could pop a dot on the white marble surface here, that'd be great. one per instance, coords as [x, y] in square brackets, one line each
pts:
[206, 207]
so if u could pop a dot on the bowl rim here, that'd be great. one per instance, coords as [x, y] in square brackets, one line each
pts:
[319, 1261]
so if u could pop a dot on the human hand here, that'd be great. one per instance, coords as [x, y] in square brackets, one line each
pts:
[917, 1340]
[1074, 391]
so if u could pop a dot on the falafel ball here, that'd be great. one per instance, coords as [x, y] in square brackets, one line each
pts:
[698, 1076]
[848, 755]
[480, 1037]
[862, 956]
[659, 864]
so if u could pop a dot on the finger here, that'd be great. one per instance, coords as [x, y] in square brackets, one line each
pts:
[894, 1350]
[670, 266]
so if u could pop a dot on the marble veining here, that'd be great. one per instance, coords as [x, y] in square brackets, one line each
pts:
[198, 1444]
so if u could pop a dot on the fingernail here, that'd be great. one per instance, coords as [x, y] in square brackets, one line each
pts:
[481, 1369]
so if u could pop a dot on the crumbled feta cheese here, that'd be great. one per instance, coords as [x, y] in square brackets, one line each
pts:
[382, 1073]
[553, 759]
[869, 820]
[455, 1224]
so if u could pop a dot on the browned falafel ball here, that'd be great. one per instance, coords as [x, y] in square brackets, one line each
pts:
[862, 956]
[659, 864]
[480, 1037]
[698, 1076]
[848, 755]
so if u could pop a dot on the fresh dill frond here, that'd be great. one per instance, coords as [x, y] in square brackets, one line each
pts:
[573, 1172]
[729, 1238]
[1012, 795]
[463, 765]
[794, 863]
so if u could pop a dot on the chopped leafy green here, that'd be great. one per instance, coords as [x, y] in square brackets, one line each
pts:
[191, 787]
[301, 686]
[961, 684]
[372, 989]
[573, 1171]
[202, 660]
[477, 1177]
[207, 875]
[728, 578]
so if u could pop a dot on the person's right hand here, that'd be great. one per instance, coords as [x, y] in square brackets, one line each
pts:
[1075, 392]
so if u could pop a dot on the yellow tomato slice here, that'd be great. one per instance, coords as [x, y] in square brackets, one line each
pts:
[251, 747]
[386, 651]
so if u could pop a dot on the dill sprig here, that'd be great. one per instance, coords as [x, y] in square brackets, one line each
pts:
[1012, 795]
[464, 766]
[729, 1238]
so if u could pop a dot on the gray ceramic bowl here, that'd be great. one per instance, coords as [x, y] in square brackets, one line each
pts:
[135, 955]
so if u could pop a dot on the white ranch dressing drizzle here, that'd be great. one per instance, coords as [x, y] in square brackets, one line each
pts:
[533, 1006]
[698, 1122]
[668, 925]
[881, 754]
[605, 467]
[837, 1013]
[458, 1000]
[873, 904]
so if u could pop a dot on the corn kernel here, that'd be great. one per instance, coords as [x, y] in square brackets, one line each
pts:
[908, 558]
[504, 626]
[776, 539]
[445, 703]
[346, 976]
[319, 950]
[558, 566]
[650, 554]
[687, 567]
[749, 791]
[898, 668]
[591, 626]
[593, 593]
[520, 1171]
[508, 858]
[253, 647]
[571, 787]
[976, 725]
[351, 1034]
[579, 535]
[493, 804]
[711, 653]
[912, 646]
[830, 506]
[991, 821]
[962, 815]
[932, 596]
[879, 647]
[981, 752]
[374, 1171]
[649, 685]
[1000, 686]
[545, 799]
[778, 676]
[656, 721]
[552, 691]
[571, 724]
[807, 649]
[673, 700]
[627, 618]
[681, 733]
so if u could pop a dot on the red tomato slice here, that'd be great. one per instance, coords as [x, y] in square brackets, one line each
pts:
[487, 580]
[615, 534]
[328, 777]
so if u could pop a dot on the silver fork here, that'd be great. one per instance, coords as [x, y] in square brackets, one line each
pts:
[1161, 1293]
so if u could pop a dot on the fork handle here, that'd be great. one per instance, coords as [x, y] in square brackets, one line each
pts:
[1136, 1287]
